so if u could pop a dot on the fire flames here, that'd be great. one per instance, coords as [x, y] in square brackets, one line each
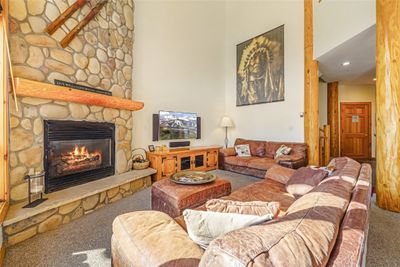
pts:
[82, 153]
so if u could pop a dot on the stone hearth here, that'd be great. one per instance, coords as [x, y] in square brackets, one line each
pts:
[70, 204]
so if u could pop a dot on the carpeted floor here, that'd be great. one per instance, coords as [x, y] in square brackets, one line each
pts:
[86, 241]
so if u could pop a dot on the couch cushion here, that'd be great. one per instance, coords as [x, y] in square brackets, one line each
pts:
[279, 174]
[258, 208]
[261, 163]
[303, 180]
[257, 148]
[239, 161]
[152, 238]
[265, 190]
[346, 168]
[297, 148]
[304, 237]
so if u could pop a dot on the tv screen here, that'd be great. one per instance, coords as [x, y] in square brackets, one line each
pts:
[177, 125]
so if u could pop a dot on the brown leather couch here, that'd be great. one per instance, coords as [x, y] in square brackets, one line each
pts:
[326, 227]
[262, 157]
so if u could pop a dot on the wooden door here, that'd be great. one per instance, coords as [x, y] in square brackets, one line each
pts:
[212, 159]
[355, 129]
[168, 166]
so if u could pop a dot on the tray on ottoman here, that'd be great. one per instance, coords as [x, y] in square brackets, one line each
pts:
[173, 198]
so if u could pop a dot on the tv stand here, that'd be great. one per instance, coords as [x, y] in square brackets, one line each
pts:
[183, 159]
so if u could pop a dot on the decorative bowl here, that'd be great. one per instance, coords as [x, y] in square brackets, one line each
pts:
[193, 177]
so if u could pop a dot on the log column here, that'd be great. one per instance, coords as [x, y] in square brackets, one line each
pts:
[333, 117]
[311, 89]
[388, 104]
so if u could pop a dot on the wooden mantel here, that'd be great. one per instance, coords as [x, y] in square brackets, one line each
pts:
[36, 89]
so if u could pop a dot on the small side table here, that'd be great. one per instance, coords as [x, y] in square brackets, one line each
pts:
[173, 199]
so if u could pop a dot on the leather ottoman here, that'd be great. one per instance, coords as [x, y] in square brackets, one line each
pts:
[173, 199]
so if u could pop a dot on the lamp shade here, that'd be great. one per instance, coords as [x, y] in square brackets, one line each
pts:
[226, 122]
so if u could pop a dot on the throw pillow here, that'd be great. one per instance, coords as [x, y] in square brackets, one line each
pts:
[282, 150]
[304, 180]
[243, 150]
[204, 226]
[257, 208]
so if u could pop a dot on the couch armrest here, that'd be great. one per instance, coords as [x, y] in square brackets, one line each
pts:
[293, 161]
[151, 238]
[227, 152]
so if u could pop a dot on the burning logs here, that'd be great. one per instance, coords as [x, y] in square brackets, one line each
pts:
[77, 160]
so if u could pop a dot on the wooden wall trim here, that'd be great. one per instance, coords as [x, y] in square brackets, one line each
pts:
[388, 104]
[4, 74]
[311, 88]
[333, 117]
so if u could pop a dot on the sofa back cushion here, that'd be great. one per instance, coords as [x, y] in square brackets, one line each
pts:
[346, 168]
[303, 180]
[257, 148]
[304, 237]
[297, 148]
[350, 246]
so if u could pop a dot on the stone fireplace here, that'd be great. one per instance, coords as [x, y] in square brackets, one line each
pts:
[100, 56]
[77, 152]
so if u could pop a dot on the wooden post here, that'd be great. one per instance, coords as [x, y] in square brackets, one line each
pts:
[327, 144]
[333, 117]
[4, 75]
[311, 89]
[388, 104]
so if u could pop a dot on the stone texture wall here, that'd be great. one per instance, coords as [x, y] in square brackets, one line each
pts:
[51, 219]
[100, 56]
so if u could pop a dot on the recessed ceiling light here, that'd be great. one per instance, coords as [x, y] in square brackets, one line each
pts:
[346, 63]
[374, 79]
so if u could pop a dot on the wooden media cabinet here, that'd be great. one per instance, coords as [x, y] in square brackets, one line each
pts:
[183, 159]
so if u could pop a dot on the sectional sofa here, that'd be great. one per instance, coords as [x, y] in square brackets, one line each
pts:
[326, 227]
[262, 157]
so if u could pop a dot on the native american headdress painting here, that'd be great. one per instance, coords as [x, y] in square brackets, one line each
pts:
[260, 69]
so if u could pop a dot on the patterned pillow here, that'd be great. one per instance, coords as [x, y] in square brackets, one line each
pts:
[283, 150]
[243, 150]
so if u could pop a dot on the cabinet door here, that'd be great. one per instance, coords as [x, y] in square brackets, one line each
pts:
[185, 163]
[212, 159]
[168, 166]
[199, 161]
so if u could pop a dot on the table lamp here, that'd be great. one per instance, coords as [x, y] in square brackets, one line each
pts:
[227, 123]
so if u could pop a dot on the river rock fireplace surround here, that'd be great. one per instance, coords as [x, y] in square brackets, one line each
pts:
[77, 152]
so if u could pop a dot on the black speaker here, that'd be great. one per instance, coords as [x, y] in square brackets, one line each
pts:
[179, 144]
[156, 126]
[198, 128]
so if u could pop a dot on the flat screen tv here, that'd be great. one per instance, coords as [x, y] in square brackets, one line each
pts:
[177, 125]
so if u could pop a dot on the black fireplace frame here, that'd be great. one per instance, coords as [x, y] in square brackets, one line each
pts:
[58, 130]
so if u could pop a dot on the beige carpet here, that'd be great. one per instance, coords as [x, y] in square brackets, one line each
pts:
[86, 241]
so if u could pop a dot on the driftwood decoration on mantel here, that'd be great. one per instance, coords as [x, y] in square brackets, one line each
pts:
[52, 27]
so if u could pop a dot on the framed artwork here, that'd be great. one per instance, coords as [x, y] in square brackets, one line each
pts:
[151, 148]
[260, 69]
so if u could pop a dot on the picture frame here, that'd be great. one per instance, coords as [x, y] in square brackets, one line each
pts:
[260, 69]
[151, 148]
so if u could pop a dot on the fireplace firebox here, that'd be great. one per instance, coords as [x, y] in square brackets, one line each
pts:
[77, 152]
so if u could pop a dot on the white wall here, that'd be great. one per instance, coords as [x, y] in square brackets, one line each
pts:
[323, 104]
[179, 64]
[360, 93]
[336, 21]
[271, 121]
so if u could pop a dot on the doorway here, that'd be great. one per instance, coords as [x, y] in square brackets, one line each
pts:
[355, 130]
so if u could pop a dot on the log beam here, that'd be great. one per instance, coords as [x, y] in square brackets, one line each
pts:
[50, 91]
[388, 104]
[333, 117]
[311, 89]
